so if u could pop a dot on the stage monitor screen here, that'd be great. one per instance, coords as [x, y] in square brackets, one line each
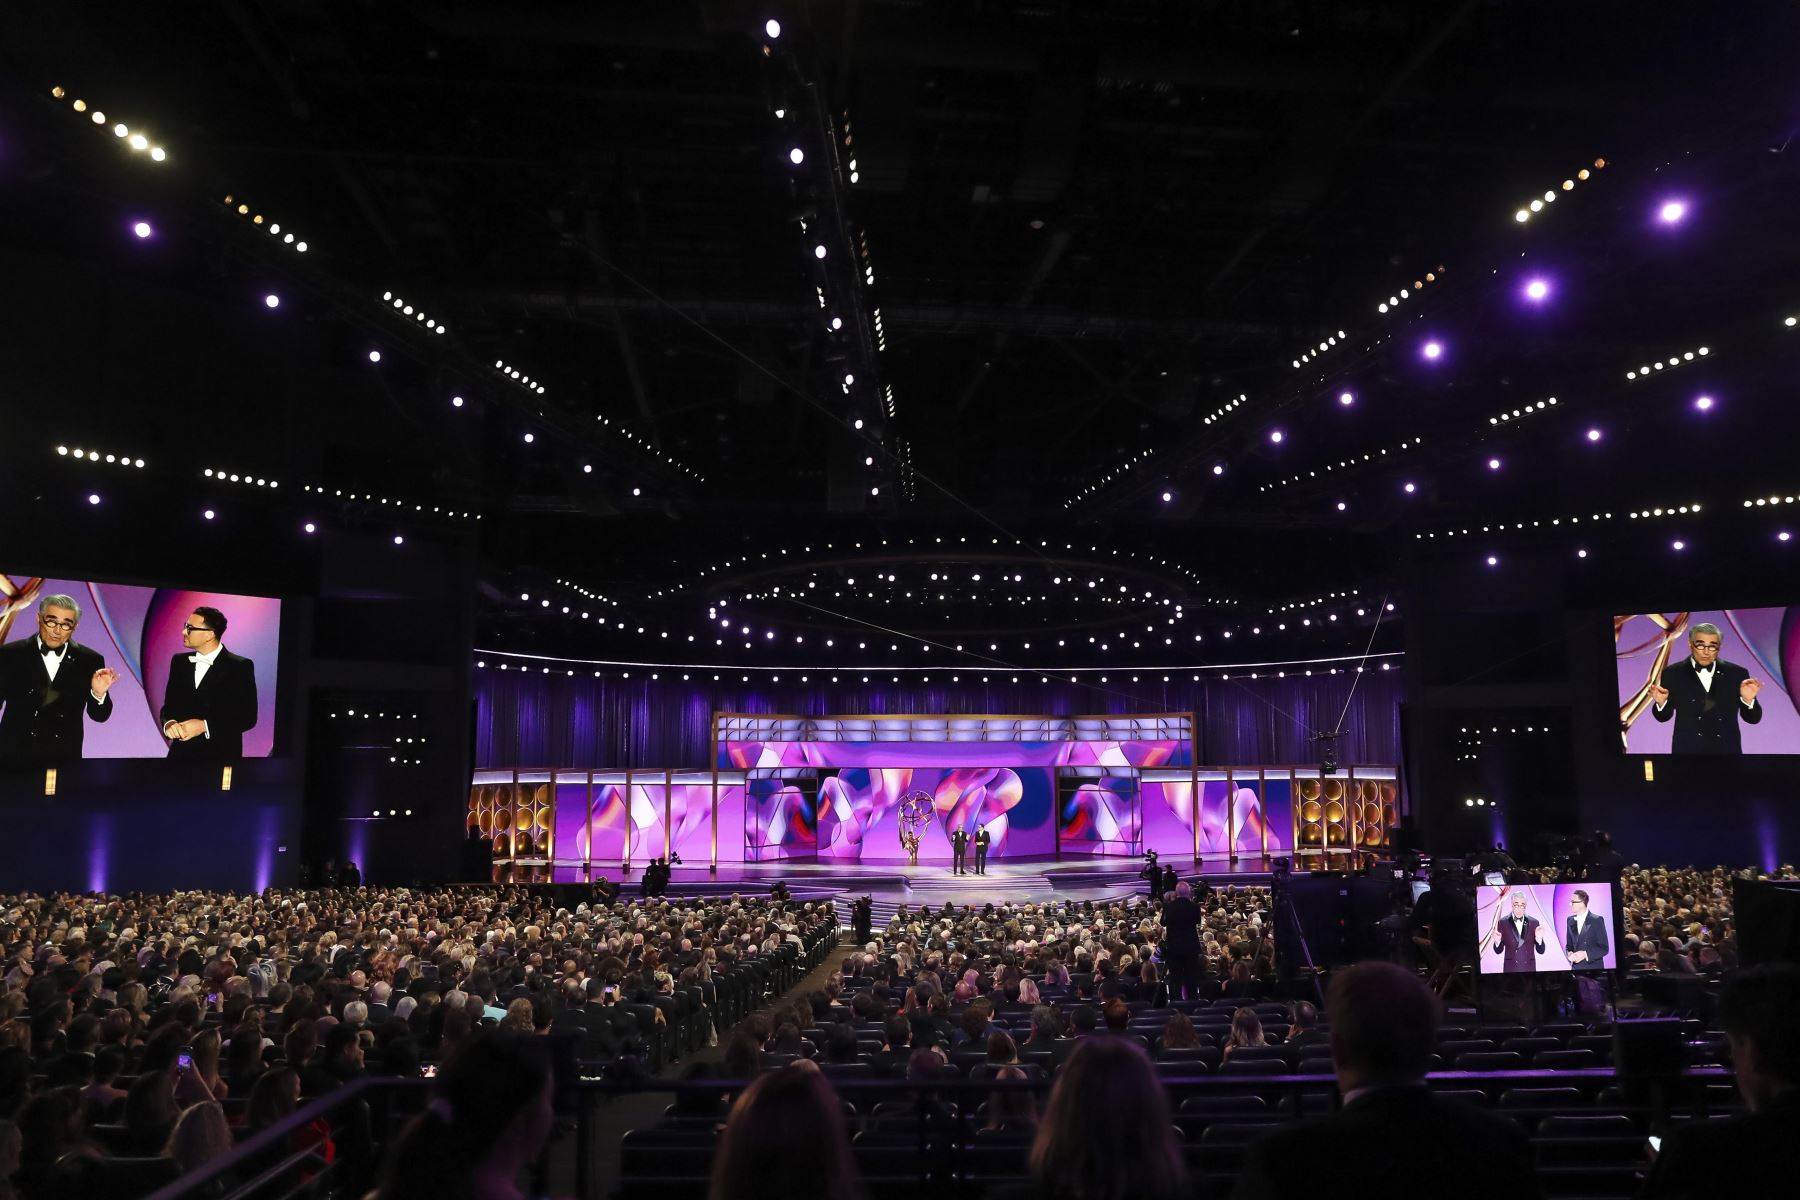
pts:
[110, 670]
[1536, 927]
[1718, 682]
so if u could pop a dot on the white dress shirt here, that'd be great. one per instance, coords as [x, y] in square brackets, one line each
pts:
[202, 664]
[53, 663]
[1707, 675]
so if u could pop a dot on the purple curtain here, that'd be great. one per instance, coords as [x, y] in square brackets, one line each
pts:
[535, 719]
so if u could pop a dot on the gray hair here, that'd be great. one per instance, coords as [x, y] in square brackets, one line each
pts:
[60, 601]
[1704, 627]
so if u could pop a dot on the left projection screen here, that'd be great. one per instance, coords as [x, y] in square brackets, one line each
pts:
[137, 635]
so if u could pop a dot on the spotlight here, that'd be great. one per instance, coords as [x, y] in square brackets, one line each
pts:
[1703, 403]
[1537, 290]
[1275, 435]
[1672, 211]
[1168, 496]
[1593, 435]
[93, 498]
[1410, 488]
[637, 491]
[819, 251]
[157, 153]
[208, 514]
[1493, 561]
[374, 356]
[1493, 464]
[1346, 399]
[530, 437]
[772, 27]
[1678, 544]
[272, 300]
[399, 540]
[142, 229]
[1218, 468]
[1783, 536]
[796, 156]
[1581, 554]
[1433, 350]
[310, 527]
[456, 402]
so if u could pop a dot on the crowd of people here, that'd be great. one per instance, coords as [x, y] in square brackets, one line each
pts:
[155, 1025]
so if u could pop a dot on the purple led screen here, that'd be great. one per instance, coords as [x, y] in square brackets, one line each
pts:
[781, 820]
[858, 811]
[1101, 816]
[1168, 817]
[1548, 909]
[1765, 642]
[755, 755]
[137, 630]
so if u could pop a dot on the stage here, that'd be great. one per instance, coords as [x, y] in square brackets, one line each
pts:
[889, 885]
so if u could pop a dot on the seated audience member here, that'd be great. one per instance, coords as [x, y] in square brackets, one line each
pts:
[1303, 1029]
[1106, 1133]
[785, 1138]
[1179, 1033]
[1151, 989]
[104, 1101]
[200, 1136]
[11, 1148]
[896, 1048]
[49, 1127]
[1117, 1015]
[1391, 1129]
[150, 1112]
[1246, 1031]
[244, 1060]
[743, 1056]
[200, 1081]
[1012, 1109]
[1752, 1155]
[1238, 985]
[489, 1117]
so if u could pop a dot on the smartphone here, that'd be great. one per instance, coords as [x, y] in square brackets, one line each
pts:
[185, 1061]
[428, 1071]
[212, 999]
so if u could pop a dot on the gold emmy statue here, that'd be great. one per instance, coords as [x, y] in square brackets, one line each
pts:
[915, 818]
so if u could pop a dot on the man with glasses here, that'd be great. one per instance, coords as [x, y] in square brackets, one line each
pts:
[47, 683]
[211, 697]
[1705, 697]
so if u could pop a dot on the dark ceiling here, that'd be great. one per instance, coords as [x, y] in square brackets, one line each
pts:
[1090, 227]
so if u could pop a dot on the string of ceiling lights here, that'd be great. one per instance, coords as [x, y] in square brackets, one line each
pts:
[392, 303]
[1115, 473]
[95, 456]
[1537, 204]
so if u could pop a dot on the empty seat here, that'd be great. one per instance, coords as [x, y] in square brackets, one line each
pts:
[1315, 1066]
[1491, 1060]
[1253, 1066]
[1448, 1050]
[1587, 1125]
[1541, 1098]
[1499, 1033]
[1529, 1046]
[1563, 1060]
[1473, 1096]
[1222, 1105]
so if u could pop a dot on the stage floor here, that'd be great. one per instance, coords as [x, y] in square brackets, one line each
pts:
[890, 884]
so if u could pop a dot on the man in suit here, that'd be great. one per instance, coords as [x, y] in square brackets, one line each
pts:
[1705, 697]
[211, 700]
[48, 682]
[1585, 938]
[1181, 943]
[1751, 1155]
[959, 848]
[981, 848]
[1384, 1023]
[1518, 937]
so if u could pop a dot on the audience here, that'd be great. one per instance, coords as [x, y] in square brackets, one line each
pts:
[1751, 1155]
[1246, 1031]
[1106, 1133]
[200, 1136]
[1391, 1129]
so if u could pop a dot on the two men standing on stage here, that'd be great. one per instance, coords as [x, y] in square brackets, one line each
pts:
[959, 850]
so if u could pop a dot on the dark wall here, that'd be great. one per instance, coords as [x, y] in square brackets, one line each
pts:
[533, 718]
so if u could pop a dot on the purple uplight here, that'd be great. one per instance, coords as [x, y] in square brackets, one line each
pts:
[1703, 403]
[1593, 435]
[142, 229]
[1537, 290]
[1672, 211]
[1432, 350]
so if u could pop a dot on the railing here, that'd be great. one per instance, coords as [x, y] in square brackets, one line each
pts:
[898, 1149]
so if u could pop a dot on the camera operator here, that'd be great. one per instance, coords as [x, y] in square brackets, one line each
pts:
[1153, 873]
[862, 919]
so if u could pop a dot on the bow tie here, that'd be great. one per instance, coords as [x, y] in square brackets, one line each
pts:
[1707, 667]
[47, 651]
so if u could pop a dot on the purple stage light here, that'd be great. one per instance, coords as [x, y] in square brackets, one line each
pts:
[93, 498]
[1341, 506]
[310, 527]
[1581, 554]
[1537, 290]
[272, 300]
[1432, 350]
[1346, 398]
[142, 229]
[1678, 544]
[1783, 536]
[796, 156]
[1493, 464]
[1275, 435]
[1168, 496]
[1672, 212]
[1410, 488]
[209, 514]
[1493, 561]
[1703, 403]
[1593, 435]
[374, 356]
[1218, 468]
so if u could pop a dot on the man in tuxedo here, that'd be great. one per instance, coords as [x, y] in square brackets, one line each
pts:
[1518, 938]
[1181, 943]
[959, 849]
[981, 848]
[211, 699]
[1705, 697]
[47, 683]
[1585, 938]
[1384, 1023]
[1751, 1155]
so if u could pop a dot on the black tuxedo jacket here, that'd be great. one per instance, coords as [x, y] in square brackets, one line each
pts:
[959, 842]
[1706, 722]
[981, 842]
[225, 700]
[1520, 952]
[1387, 1136]
[42, 721]
[1592, 939]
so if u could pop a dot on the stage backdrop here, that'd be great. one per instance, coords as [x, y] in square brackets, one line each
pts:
[138, 632]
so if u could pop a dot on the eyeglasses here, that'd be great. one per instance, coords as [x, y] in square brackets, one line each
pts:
[192, 629]
[55, 623]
